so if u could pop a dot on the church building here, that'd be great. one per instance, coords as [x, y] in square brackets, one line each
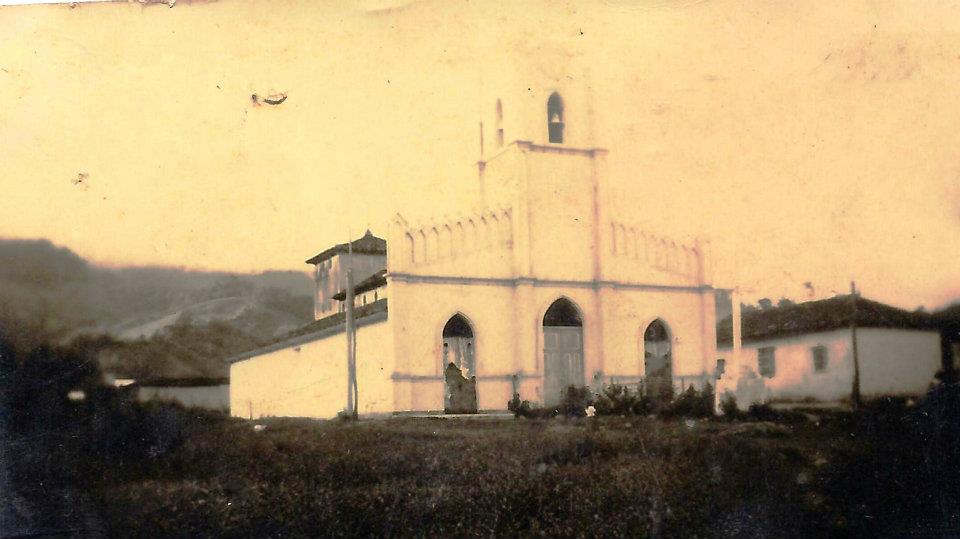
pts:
[542, 285]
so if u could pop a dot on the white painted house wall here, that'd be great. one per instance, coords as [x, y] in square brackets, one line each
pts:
[892, 362]
[309, 379]
[207, 397]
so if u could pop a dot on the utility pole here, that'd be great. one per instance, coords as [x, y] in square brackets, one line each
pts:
[351, 331]
[481, 140]
[855, 394]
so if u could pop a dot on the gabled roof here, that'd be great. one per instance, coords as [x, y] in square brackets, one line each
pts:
[198, 381]
[818, 316]
[376, 280]
[318, 329]
[366, 245]
[338, 319]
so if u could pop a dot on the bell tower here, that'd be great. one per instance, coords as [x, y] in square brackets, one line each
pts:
[542, 95]
[539, 158]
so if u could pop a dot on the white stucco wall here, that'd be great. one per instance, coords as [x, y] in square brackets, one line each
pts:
[560, 243]
[310, 379]
[507, 324]
[541, 229]
[892, 362]
[898, 361]
[330, 277]
[207, 397]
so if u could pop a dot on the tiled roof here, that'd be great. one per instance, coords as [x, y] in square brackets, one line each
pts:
[328, 325]
[818, 316]
[367, 245]
[337, 319]
[182, 382]
[376, 280]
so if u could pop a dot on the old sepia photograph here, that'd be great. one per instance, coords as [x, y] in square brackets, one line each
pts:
[479, 268]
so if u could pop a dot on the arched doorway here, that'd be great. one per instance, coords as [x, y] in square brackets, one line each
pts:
[459, 367]
[658, 360]
[562, 349]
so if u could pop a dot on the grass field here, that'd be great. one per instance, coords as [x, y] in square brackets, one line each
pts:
[843, 475]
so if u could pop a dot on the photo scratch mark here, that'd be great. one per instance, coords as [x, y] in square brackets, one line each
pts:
[81, 181]
[272, 99]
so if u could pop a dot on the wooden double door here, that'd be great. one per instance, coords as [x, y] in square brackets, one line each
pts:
[562, 361]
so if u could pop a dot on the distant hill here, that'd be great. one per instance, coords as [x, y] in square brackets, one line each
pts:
[49, 294]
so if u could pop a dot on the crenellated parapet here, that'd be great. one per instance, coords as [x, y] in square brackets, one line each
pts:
[632, 243]
[460, 237]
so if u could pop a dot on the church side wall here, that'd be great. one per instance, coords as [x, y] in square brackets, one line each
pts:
[310, 379]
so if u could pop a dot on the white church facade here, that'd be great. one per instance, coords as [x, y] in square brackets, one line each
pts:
[543, 285]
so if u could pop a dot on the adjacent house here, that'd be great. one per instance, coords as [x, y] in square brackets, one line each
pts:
[206, 393]
[806, 351]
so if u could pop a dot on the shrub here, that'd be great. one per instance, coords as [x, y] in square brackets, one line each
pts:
[615, 399]
[645, 405]
[520, 408]
[762, 412]
[574, 401]
[691, 403]
[525, 408]
[728, 406]
[618, 400]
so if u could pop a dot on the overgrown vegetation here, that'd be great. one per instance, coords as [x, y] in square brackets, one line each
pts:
[889, 470]
[692, 403]
[620, 400]
[152, 321]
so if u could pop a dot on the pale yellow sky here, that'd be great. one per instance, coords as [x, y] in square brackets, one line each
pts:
[812, 142]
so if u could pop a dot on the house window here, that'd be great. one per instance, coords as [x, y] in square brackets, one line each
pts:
[819, 358]
[767, 362]
[555, 118]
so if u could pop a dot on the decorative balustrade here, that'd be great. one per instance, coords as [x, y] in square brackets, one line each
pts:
[659, 252]
[450, 239]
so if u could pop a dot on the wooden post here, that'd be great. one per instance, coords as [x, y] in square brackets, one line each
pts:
[855, 392]
[352, 397]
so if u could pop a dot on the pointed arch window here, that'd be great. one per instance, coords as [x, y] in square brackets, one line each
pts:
[658, 360]
[555, 118]
[459, 366]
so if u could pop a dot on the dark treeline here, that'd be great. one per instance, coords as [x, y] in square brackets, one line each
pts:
[148, 321]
